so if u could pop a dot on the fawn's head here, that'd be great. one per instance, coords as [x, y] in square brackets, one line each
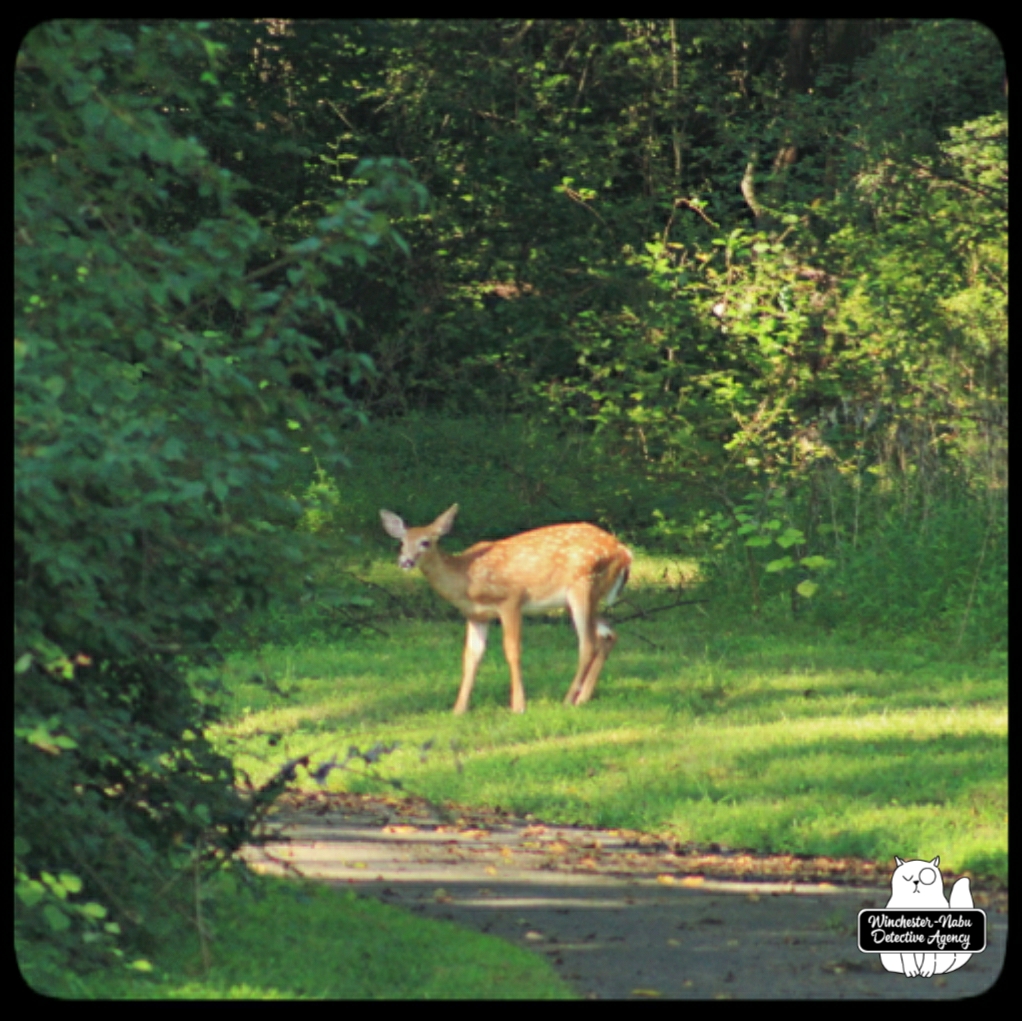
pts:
[417, 542]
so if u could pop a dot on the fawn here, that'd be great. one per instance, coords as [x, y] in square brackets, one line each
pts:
[574, 566]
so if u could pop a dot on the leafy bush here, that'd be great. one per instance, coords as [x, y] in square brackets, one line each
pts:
[154, 412]
[943, 575]
[937, 568]
[508, 473]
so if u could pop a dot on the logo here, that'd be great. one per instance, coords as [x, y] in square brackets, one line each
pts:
[921, 932]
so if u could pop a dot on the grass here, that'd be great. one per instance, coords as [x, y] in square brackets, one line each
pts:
[277, 939]
[706, 729]
[779, 740]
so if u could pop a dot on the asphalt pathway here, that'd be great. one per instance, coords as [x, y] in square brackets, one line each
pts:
[618, 915]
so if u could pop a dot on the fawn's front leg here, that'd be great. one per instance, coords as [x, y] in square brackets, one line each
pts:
[475, 646]
[511, 622]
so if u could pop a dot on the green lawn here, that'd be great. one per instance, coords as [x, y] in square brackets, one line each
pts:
[283, 940]
[769, 739]
[708, 730]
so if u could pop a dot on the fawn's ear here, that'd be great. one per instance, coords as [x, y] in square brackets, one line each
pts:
[446, 520]
[392, 524]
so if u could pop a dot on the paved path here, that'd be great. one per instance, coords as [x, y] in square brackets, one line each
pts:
[616, 919]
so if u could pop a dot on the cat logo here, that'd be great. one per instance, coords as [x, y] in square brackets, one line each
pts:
[921, 932]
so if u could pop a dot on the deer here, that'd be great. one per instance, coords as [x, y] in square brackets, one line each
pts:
[571, 566]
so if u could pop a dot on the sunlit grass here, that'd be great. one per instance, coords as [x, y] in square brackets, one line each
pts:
[782, 741]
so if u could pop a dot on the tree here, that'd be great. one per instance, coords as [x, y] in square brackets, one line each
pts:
[158, 329]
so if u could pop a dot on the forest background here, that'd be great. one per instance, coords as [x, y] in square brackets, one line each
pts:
[736, 290]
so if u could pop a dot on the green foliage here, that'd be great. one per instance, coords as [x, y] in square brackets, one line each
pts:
[935, 568]
[759, 527]
[734, 288]
[917, 83]
[320, 504]
[508, 473]
[153, 356]
[944, 576]
[740, 251]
